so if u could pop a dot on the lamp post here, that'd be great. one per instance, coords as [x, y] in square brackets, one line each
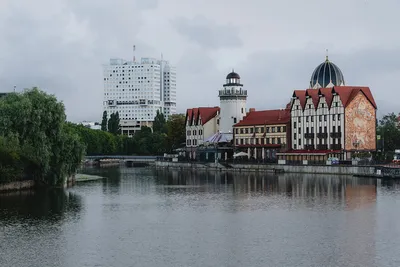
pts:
[356, 144]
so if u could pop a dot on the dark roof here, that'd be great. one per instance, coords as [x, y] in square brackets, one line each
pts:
[233, 75]
[346, 94]
[327, 73]
[205, 113]
[265, 117]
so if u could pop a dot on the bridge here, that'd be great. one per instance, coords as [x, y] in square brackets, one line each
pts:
[129, 160]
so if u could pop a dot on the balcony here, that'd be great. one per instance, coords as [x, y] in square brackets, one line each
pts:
[336, 135]
[309, 147]
[231, 92]
[336, 147]
[309, 135]
[322, 147]
[322, 135]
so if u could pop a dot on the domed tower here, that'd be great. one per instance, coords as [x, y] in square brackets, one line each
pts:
[232, 102]
[326, 75]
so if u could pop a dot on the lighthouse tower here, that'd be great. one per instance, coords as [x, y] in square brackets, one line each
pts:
[232, 103]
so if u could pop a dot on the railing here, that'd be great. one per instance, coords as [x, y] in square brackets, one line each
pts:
[232, 93]
[309, 147]
[336, 135]
[322, 147]
[322, 135]
[309, 135]
[336, 147]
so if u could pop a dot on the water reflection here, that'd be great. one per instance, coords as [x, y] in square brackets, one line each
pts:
[38, 205]
[148, 217]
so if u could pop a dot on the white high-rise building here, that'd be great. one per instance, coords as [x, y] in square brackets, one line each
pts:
[136, 90]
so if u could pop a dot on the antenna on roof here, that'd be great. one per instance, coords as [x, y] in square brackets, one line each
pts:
[326, 55]
[15, 88]
[134, 49]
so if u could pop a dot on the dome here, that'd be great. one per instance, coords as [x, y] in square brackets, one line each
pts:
[325, 75]
[233, 75]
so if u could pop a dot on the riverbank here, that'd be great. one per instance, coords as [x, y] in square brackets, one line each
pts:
[80, 177]
[274, 168]
[17, 186]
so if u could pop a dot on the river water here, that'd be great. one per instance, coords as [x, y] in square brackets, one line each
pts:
[145, 217]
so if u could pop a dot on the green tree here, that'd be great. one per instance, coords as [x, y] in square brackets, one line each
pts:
[176, 131]
[390, 135]
[159, 124]
[104, 121]
[114, 124]
[45, 150]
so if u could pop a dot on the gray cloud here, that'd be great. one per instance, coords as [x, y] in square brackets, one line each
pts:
[207, 33]
[60, 46]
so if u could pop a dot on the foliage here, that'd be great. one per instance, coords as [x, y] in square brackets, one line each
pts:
[35, 142]
[113, 124]
[104, 121]
[176, 131]
[390, 136]
[159, 124]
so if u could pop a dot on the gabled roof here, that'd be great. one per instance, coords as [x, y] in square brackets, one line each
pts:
[346, 94]
[265, 117]
[205, 113]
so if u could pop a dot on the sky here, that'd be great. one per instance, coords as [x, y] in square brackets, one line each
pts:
[61, 46]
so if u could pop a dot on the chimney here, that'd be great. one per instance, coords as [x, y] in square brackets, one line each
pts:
[252, 110]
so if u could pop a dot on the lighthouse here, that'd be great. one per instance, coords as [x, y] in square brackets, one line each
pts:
[232, 103]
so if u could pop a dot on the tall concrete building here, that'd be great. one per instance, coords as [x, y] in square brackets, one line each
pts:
[136, 90]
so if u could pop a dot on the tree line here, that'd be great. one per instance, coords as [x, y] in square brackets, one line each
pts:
[163, 137]
[36, 141]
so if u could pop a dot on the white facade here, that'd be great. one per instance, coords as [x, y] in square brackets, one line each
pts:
[232, 103]
[320, 128]
[91, 125]
[196, 134]
[136, 90]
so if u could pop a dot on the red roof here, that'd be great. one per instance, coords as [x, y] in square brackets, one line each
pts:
[346, 94]
[205, 113]
[265, 117]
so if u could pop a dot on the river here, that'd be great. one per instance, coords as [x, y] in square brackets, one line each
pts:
[146, 217]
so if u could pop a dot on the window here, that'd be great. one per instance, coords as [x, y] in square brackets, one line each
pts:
[320, 117]
[299, 142]
[294, 124]
[194, 132]
[307, 118]
[262, 129]
[262, 141]
[333, 129]
[299, 119]
[257, 141]
[338, 117]
[237, 141]
[246, 130]
[333, 117]
[241, 130]
[339, 128]
[299, 130]
[325, 130]
[279, 140]
[324, 117]
[295, 135]
[278, 129]
[218, 121]
[188, 132]
[242, 111]
[267, 130]
[251, 130]
[200, 132]
[272, 140]
[234, 120]
[236, 131]
[312, 118]
[307, 130]
[241, 141]
[284, 129]
[272, 129]
[312, 129]
[268, 141]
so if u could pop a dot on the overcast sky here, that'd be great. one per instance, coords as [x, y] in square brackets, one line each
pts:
[60, 46]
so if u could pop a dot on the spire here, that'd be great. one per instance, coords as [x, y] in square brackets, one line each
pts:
[326, 55]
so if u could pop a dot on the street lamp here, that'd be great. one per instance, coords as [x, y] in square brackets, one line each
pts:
[356, 144]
